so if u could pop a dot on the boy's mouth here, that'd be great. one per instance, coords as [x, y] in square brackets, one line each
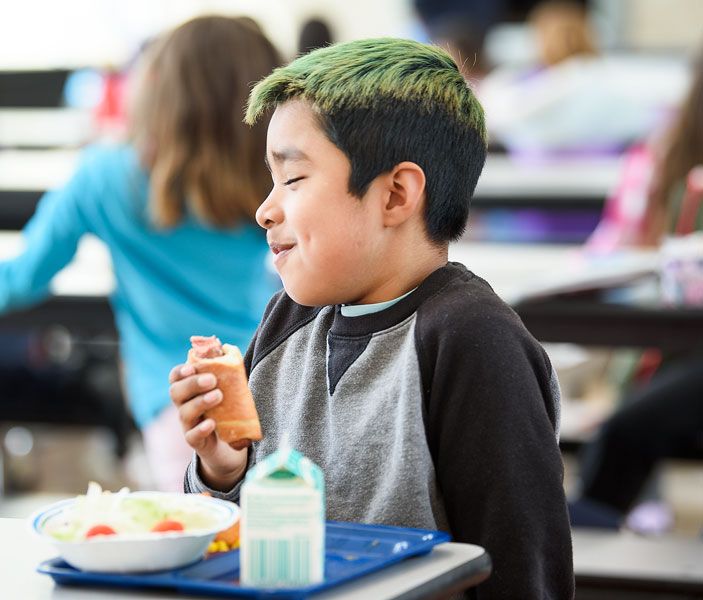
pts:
[280, 250]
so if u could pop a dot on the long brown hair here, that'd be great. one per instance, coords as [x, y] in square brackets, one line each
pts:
[682, 149]
[186, 121]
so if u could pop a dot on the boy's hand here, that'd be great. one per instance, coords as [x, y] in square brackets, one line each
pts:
[222, 466]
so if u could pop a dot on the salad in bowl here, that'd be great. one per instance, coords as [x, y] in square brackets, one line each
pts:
[127, 531]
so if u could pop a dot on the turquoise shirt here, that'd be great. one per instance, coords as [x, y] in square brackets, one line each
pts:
[171, 284]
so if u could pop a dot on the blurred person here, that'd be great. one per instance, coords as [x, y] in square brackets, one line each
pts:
[646, 204]
[562, 31]
[661, 417]
[681, 151]
[315, 33]
[572, 99]
[175, 207]
[460, 26]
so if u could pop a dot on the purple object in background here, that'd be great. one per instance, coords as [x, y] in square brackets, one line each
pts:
[651, 518]
[563, 226]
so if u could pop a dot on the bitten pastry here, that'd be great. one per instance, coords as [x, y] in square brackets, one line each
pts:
[235, 416]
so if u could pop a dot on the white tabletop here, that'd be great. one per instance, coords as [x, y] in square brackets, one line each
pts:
[556, 179]
[519, 271]
[626, 555]
[553, 179]
[36, 170]
[44, 127]
[21, 552]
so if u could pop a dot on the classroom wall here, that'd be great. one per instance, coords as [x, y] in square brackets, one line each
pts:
[70, 33]
[75, 33]
[663, 24]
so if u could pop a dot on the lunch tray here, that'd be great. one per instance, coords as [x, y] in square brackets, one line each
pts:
[351, 551]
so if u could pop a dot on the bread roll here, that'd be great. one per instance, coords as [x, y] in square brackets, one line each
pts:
[235, 416]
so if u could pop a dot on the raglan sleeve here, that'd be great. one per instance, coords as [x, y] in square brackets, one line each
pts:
[489, 392]
[50, 238]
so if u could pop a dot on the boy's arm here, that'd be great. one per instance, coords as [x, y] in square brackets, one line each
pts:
[194, 484]
[488, 389]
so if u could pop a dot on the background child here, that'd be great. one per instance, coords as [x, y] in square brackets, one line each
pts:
[661, 417]
[646, 205]
[416, 389]
[175, 207]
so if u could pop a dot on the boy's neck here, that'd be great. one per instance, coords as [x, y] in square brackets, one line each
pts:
[406, 272]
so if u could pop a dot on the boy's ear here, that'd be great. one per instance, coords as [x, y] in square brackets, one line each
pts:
[405, 193]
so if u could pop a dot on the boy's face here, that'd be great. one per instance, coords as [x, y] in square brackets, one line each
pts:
[328, 245]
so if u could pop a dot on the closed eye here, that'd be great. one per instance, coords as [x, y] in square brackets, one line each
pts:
[291, 181]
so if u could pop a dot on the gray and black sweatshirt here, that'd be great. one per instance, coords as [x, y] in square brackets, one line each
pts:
[439, 412]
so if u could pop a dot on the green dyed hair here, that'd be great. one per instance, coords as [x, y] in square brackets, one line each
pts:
[385, 101]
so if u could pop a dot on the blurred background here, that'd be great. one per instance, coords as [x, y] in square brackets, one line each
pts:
[585, 104]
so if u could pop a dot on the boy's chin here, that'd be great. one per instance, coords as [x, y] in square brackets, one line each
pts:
[306, 297]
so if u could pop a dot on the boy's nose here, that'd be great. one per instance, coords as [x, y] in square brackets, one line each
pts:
[268, 214]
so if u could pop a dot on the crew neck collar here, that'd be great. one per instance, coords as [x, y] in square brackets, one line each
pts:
[404, 306]
[359, 310]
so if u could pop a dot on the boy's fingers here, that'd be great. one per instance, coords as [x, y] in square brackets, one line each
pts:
[191, 412]
[183, 390]
[198, 437]
[180, 371]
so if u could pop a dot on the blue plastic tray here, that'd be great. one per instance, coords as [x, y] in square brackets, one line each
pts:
[351, 551]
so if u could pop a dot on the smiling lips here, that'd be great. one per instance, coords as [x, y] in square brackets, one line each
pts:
[280, 250]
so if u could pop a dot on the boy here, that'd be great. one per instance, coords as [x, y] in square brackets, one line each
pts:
[415, 388]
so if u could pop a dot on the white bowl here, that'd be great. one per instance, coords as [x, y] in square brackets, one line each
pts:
[144, 552]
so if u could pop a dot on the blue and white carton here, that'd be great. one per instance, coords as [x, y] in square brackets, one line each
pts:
[282, 531]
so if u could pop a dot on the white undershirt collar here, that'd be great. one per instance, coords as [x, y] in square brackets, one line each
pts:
[357, 310]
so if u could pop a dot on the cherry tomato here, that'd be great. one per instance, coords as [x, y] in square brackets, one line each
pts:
[168, 525]
[100, 530]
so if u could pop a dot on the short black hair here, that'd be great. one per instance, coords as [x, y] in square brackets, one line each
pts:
[386, 101]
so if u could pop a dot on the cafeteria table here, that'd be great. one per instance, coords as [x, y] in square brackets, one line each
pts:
[45, 127]
[575, 181]
[448, 569]
[588, 320]
[622, 564]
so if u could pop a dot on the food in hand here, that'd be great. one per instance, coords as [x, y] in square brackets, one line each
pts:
[236, 419]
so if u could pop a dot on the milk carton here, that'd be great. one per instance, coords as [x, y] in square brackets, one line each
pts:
[282, 532]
